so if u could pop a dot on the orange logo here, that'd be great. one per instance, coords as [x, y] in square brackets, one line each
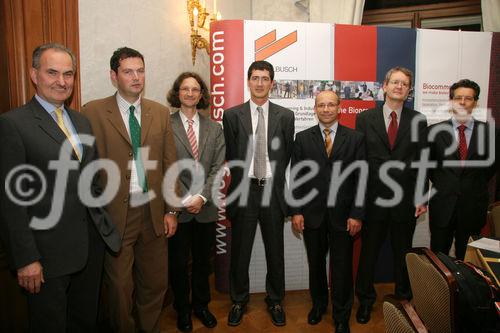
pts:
[267, 45]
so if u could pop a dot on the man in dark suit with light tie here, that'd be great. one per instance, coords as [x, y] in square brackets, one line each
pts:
[199, 142]
[259, 134]
[458, 208]
[329, 227]
[59, 259]
[388, 134]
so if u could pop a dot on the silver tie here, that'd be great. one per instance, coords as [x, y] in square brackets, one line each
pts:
[259, 157]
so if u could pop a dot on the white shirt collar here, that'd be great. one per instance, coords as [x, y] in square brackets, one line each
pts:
[333, 128]
[124, 105]
[196, 118]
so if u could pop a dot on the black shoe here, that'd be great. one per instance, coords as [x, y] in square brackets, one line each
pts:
[184, 323]
[206, 317]
[315, 315]
[236, 314]
[342, 327]
[277, 314]
[363, 313]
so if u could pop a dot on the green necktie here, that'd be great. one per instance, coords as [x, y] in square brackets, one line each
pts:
[135, 137]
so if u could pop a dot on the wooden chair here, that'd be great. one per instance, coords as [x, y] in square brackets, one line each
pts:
[434, 290]
[401, 317]
[494, 219]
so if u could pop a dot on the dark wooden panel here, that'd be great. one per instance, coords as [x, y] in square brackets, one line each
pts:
[27, 24]
[4, 70]
[418, 13]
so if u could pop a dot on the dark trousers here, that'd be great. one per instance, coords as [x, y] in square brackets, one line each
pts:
[374, 233]
[442, 237]
[318, 242]
[243, 227]
[136, 278]
[198, 240]
[69, 303]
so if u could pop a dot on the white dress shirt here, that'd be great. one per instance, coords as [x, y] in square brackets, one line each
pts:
[255, 118]
[124, 106]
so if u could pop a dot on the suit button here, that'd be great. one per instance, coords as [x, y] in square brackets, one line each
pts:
[125, 200]
[127, 177]
[130, 153]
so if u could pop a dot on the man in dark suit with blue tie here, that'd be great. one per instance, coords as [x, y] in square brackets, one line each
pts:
[329, 227]
[261, 186]
[458, 208]
[58, 259]
[391, 207]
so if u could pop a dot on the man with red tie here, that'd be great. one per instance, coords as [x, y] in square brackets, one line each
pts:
[458, 209]
[390, 200]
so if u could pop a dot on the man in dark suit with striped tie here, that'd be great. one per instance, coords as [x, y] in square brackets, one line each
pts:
[199, 142]
[329, 227]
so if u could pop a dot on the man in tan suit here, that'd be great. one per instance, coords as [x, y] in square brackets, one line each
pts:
[136, 278]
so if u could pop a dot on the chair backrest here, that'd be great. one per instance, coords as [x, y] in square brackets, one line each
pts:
[434, 290]
[494, 218]
[401, 317]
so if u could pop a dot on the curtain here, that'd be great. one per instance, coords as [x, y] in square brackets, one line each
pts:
[491, 15]
[337, 11]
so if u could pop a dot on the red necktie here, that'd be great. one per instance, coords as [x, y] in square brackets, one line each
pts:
[192, 139]
[392, 130]
[462, 142]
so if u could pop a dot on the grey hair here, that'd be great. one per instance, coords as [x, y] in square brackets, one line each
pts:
[37, 53]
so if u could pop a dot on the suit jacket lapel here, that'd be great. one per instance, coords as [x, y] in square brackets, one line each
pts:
[378, 125]
[449, 139]
[49, 125]
[203, 135]
[246, 118]
[115, 118]
[272, 120]
[338, 142]
[318, 141]
[46, 122]
[472, 148]
[403, 127]
[146, 120]
[180, 132]
[79, 130]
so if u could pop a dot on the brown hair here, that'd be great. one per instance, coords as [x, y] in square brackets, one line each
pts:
[173, 94]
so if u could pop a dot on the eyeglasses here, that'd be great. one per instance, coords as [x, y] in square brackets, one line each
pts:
[402, 83]
[463, 98]
[186, 90]
[329, 106]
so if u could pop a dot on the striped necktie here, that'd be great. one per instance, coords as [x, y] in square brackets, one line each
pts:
[328, 142]
[192, 139]
[62, 126]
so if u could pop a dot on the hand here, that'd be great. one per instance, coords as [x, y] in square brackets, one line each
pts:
[170, 224]
[298, 223]
[353, 226]
[30, 277]
[420, 209]
[194, 204]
